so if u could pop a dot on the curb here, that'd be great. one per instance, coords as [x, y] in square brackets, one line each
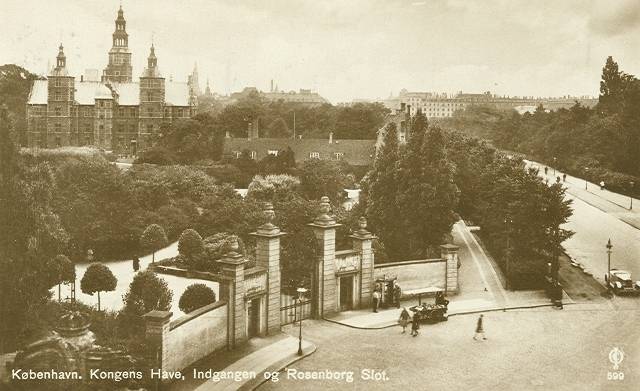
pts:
[495, 309]
[279, 366]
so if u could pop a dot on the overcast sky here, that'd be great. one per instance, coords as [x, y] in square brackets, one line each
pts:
[342, 49]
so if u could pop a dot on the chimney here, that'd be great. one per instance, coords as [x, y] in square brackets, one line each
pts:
[271, 85]
[330, 137]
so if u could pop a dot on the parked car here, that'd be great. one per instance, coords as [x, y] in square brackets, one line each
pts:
[620, 282]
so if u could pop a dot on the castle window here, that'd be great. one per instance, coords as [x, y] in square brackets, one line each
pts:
[58, 96]
[149, 96]
[314, 155]
[121, 112]
[58, 111]
[57, 83]
[101, 127]
[179, 112]
[101, 116]
[133, 112]
[149, 128]
[117, 73]
[340, 155]
[57, 127]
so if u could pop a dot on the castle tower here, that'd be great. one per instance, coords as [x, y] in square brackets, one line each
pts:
[119, 68]
[152, 95]
[207, 91]
[194, 83]
[60, 100]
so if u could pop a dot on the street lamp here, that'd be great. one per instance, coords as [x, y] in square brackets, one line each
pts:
[507, 223]
[609, 247]
[301, 292]
[586, 182]
[632, 183]
[554, 165]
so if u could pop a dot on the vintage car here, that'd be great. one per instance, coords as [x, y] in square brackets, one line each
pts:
[619, 281]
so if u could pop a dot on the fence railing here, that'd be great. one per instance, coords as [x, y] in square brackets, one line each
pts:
[292, 310]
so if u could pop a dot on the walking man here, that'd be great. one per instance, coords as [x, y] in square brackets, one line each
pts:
[376, 300]
[479, 329]
[415, 324]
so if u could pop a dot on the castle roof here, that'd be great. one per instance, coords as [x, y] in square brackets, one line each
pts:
[38, 95]
[86, 92]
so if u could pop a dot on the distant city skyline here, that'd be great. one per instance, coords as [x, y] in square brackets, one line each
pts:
[342, 50]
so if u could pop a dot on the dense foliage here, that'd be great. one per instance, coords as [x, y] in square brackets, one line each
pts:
[276, 119]
[600, 144]
[414, 192]
[196, 296]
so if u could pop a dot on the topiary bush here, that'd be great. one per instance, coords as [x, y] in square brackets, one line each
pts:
[196, 296]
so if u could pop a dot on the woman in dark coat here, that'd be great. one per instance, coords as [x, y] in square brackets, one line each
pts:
[404, 319]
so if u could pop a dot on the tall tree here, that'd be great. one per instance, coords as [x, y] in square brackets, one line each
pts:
[611, 87]
[382, 206]
[427, 192]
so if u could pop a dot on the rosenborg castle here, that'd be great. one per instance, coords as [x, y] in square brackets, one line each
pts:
[111, 112]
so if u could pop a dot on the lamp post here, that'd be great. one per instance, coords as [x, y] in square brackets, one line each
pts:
[632, 183]
[586, 182]
[301, 292]
[609, 247]
[507, 223]
[554, 165]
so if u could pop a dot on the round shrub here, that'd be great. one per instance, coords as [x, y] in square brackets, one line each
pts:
[196, 296]
[190, 243]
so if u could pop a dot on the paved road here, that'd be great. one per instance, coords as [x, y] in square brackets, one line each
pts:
[599, 215]
[526, 350]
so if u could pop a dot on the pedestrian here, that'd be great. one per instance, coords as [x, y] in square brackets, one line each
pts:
[479, 329]
[397, 292]
[376, 300]
[564, 177]
[545, 170]
[415, 324]
[136, 264]
[404, 319]
[601, 185]
[558, 179]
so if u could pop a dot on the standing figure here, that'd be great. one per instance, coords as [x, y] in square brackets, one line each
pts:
[376, 300]
[564, 177]
[136, 264]
[479, 329]
[415, 324]
[601, 185]
[404, 319]
[545, 170]
[397, 292]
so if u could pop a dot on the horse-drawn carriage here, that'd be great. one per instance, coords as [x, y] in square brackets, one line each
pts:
[433, 312]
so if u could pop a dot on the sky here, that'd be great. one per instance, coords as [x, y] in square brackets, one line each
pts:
[357, 49]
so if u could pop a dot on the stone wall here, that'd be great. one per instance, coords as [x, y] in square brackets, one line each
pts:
[195, 335]
[420, 276]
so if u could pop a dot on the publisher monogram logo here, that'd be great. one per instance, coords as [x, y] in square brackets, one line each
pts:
[616, 356]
